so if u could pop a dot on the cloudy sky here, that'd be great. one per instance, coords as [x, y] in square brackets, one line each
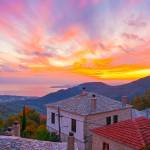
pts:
[63, 42]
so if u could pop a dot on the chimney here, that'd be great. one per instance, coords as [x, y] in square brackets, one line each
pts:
[9, 131]
[84, 93]
[16, 128]
[93, 103]
[124, 100]
[71, 140]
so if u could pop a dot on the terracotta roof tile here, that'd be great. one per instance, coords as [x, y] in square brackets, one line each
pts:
[134, 133]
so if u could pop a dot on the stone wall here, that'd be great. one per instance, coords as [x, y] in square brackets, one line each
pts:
[17, 143]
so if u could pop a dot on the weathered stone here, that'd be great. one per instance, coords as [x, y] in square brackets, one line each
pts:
[17, 143]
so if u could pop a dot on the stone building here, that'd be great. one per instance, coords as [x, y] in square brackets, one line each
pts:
[83, 112]
[125, 135]
[14, 130]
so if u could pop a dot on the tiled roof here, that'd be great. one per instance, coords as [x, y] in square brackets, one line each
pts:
[17, 143]
[81, 104]
[134, 133]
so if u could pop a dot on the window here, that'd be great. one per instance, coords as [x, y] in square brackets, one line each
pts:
[53, 118]
[105, 146]
[108, 120]
[115, 118]
[73, 125]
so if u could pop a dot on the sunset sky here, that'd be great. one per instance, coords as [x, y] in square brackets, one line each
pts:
[67, 42]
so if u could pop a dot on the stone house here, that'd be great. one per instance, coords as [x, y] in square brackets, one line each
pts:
[124, 135]
[83, 112]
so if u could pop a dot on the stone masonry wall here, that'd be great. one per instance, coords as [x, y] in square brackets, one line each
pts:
[17, 143]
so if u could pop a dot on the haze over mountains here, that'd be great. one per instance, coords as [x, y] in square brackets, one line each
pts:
[10, 98]
[131, 90]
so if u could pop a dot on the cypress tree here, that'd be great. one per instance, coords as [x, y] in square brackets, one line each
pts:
[24, 119]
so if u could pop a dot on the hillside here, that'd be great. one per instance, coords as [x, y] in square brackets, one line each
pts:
[11, 98]
[10, 104]
[132, 89]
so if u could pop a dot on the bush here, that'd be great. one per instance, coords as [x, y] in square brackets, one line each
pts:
[43, 134]
[54, 137]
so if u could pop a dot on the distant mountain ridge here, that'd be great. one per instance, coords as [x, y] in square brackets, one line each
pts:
[131, 90]
[11, 98]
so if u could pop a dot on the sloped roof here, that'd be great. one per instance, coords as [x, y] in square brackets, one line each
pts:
[134, 133]
[17, 143]
[81, 104]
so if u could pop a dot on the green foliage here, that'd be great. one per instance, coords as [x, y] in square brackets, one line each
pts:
[24, 119]
[54, 137]
[1, 126]
[1, 123]
[142, 102]
[30, 131]
[43, 134]
[35, 116]
[33, 125]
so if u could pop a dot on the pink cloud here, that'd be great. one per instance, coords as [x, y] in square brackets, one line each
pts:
[84, 3]
[130, 36]
[137, 21]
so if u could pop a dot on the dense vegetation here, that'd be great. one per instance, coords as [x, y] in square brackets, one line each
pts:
[142, 102]
[33, 125]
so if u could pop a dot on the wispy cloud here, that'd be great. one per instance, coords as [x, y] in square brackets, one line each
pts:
[86, 37]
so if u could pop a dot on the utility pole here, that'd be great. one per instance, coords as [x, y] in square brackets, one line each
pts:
[59, 123]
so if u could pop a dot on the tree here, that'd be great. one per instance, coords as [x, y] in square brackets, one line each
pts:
[1, 123]
[30, 131]
[142, 102]
[24, 119]
[35, 116]
[33, 125]
[1, 126]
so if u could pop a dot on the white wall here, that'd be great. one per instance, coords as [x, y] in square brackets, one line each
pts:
[65, 123]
